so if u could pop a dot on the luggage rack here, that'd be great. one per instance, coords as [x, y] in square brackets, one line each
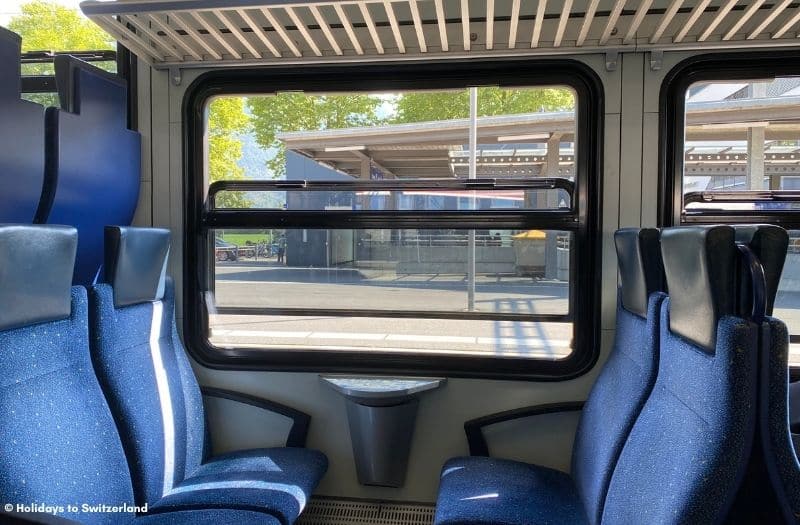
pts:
[218, 33]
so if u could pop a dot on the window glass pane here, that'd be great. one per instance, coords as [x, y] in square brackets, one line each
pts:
[393, 289]
[310, 281]
[522, 132]
[398, 200]
[462, 337]
[742, 135]
[787, 302]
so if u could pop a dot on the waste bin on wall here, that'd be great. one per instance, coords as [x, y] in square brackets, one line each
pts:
[382, 413]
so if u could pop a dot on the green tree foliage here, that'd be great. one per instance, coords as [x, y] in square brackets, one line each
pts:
[492, 101]
[287, 112]
[48, 26]
[227, 121]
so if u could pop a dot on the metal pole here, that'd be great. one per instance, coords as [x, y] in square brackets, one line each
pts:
[473, 151]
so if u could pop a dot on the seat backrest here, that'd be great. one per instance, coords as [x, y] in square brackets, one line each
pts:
[59, 445]
[629, 372]
[141, 364]
[778, 448]
[773, 485]
[22, 139]
[686, 455]
[93, 167]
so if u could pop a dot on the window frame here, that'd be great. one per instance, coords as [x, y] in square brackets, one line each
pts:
[672, 120]
[400, 76]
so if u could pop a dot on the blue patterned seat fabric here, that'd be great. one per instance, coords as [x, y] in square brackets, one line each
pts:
[780, 457]
[157, 403]
[60, 445]
[59, 442]
[687, 453]
[476, 490]
[208, 517]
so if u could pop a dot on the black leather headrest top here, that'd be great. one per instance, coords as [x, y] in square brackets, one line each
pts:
[136, 263]
[700, 264]
[769, 243]
[36, 265]
[641, 271]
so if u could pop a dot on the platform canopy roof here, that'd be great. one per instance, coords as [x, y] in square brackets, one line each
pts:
[517, 145]
[212, 33]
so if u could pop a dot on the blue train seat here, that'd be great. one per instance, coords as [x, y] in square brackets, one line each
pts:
[687, 453]
[157, 403]
[487, 490]
[93, 166]
[22, 137]
[773, 482]
[777, 440]
[60, 445]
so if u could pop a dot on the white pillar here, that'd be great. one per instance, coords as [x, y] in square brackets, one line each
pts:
[473, 173]
[551, 201]
[756, 136]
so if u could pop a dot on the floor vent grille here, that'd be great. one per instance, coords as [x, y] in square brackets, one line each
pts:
[349, 512]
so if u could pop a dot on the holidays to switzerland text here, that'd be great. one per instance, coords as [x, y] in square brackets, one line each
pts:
[87, 508]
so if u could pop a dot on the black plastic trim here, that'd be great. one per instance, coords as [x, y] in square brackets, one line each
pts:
[298, 434]
[758, 282]
[332, 219]
[400, 314]
[584, 290]
[47, 83]
[487, 184]
[474, 427]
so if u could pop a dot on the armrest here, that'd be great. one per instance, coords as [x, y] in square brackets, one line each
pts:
[300, 420]
[474, 427]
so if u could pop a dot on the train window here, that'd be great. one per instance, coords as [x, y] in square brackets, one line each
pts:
[735, 153]
[50, 28]
[392, 224]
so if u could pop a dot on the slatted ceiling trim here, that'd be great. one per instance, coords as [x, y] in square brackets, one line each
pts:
[326, 29]
[175, 38]
[638, 18]
[130, 39]
[777, 9]
[195, 35]
[717, 19]
[489, 24]
[198, 33]
[373, 31]
[789, 24]
[513, 24]
[541, 9]
[743, 18]
[348, 27]
[588, 18]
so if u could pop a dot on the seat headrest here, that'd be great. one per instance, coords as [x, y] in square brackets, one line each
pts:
[700, 264]
[769, 243]
[136, 263]
[641, 271]
[36, 265]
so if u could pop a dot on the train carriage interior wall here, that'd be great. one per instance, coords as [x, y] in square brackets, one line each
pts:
[400, 262]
